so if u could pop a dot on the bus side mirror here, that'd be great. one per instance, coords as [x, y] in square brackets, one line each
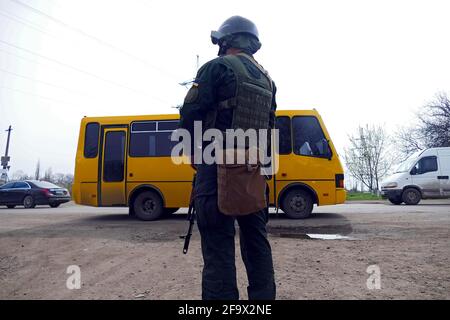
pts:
[413, 171]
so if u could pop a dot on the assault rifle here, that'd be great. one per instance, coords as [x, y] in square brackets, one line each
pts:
[190, 218]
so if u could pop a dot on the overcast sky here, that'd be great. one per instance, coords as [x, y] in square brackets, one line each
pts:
[356, 62]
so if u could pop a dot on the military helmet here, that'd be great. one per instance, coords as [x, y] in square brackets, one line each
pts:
[232, 26]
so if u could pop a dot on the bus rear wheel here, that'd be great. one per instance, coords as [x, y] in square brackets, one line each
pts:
[297, 204]
[148, 206]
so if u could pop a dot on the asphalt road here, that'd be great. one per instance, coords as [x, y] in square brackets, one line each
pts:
[123, 258]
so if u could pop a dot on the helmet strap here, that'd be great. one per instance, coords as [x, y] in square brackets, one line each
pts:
[223, 47]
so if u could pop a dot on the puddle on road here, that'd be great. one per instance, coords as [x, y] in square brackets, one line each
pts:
[328, 236]
[313, 236]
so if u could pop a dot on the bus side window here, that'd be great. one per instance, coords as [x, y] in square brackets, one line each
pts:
[91, 140]
[283, 124]
[309, 139]
[152, 139]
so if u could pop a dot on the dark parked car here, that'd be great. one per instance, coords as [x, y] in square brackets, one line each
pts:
[30, 193]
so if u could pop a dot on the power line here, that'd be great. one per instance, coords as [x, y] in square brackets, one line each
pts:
[81, 71]
[37, 62]
[21, 57]
[68, 66]
[94, 38]
[36, 27]
[26, 23]
[31, 25]
[46, 83]
[55, 86]
[37, 95]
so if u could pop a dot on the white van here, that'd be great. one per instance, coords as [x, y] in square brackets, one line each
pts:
[424, 175]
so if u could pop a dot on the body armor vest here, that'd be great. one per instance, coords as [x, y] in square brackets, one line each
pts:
[252, 101]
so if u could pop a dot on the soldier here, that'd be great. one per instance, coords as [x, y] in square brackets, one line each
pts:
[220, 98]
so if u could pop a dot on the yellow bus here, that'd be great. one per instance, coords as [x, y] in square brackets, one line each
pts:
[125, 161]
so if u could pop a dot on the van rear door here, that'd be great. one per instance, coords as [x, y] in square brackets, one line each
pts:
[444, 175]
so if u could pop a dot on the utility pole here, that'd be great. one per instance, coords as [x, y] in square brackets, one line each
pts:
[189, 82]
[5, 159]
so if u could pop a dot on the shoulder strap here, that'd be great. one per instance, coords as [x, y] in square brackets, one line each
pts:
[260, 68]
[235, 64]
[239, 69]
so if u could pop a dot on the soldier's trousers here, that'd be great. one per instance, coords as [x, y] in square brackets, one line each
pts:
[217, 233]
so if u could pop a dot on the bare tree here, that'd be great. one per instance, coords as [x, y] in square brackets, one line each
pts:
[435, 122]
[68, 181]
[48, 175]
[60, 179]
[19, 175]
[431, 130]
[408, 141]
[368, 158]
[37, 173]
[68, 178]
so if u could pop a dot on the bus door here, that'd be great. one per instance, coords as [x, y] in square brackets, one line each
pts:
[283, 124]
[113, 167]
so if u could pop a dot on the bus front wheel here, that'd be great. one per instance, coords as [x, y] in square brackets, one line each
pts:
[298, 204]
[148, 206]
